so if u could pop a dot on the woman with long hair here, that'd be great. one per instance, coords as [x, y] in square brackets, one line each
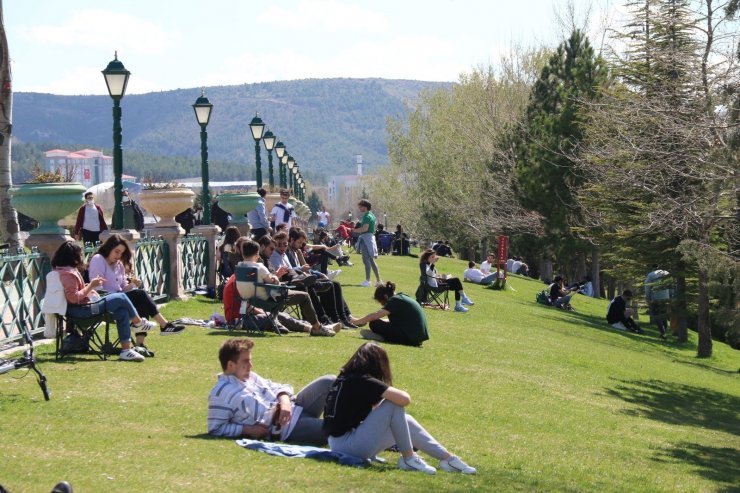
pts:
[84, 302]
[365, 415]
[113, 262]
[437, 281]
[226, 247]
[406, 322]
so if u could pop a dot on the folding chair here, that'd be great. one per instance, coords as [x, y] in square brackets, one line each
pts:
[88, 331]
[247, 285]
[434, 297]
[385, 241]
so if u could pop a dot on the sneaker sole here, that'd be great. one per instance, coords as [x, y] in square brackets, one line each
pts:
[170, 332]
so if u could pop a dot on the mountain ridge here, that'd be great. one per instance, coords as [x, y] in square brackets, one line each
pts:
[324, 123]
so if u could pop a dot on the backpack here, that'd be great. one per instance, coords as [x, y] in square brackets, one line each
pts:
[543, 297]
[138, 216]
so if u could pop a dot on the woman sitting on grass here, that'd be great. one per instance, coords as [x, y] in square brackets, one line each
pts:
[440, 282]
[112, 262]
[406, 322]
[84, 302]
[365, 415]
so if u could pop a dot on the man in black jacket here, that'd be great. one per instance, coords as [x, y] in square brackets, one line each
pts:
[619, 316]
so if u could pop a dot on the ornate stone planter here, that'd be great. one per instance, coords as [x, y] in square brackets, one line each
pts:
[238, 204]
[48, 203]
[270, 200]
[166, 203]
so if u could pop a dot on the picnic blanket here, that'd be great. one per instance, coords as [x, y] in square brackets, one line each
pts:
[300, 451]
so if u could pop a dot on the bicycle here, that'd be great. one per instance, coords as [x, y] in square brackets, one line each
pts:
[28, 360]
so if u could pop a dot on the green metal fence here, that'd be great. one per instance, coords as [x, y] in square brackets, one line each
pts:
[152, 260]
[196, 259]
[22, 288]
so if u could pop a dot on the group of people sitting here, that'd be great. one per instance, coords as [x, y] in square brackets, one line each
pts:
[109, 270]
[363, 413]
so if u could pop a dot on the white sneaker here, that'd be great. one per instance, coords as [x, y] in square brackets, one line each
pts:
[455, 464]
[333, 273]
[336, 327]
[130, 355]
[144, 326]
[365, 284]
[415, 463]
[460, 308]
[371, 336]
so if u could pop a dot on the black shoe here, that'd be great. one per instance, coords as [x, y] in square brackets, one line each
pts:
[347, 324]
[324, 320]
[62, 487]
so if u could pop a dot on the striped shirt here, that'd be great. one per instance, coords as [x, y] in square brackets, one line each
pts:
[233, 403]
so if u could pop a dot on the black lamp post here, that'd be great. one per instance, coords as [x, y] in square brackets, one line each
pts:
[297, 174]
[280, 152]
[290, 164]
[116, 78]
[202, 108]
[257, 127]
[284, 170]
[269, 140]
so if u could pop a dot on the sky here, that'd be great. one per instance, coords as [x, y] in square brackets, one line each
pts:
[60, 47]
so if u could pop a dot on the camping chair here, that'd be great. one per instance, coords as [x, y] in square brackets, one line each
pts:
[246, 275]
[86, 334]
[83, 333]
[385, 241]
[434, 297]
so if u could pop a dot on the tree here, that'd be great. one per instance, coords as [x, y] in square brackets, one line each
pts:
[8, 215]
[549, 136]
[656, 158]
[450, 173]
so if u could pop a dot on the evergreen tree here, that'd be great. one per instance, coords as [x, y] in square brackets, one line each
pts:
[551, 134]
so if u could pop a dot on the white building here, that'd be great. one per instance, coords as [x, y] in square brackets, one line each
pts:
[86, 166]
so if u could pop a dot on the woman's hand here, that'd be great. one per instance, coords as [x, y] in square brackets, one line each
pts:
[97, 282]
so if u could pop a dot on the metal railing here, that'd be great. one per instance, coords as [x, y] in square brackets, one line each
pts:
[152, 263]
[196, 259]
[22, 287]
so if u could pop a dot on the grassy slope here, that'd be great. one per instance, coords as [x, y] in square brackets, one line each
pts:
[536, 398]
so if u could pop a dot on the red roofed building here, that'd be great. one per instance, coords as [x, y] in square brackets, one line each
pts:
[86, 166]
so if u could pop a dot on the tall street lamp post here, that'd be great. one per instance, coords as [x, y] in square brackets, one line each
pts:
[269, 140]
[202, 108]
[284, 171]
[290, 164]
[280, 152]
[116, 78]
[257, 127]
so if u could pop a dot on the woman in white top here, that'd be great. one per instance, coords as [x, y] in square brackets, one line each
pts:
[434, 280]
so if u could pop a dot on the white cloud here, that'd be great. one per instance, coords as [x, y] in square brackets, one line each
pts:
[421, 58]
[91, 28]
[324, 15]
[89, 80]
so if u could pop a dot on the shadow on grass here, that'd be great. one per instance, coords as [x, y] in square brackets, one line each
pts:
[203, 436]
[717, 464]
[679, 404]
[582, 320]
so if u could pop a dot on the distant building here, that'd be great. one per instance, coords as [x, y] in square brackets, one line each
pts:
[86, 166]
[342, 192]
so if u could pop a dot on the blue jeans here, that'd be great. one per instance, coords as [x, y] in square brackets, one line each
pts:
[117, 304]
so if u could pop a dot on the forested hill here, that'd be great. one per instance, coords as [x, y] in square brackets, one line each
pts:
[323, 122]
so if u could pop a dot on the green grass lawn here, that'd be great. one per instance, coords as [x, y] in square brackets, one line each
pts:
[537, 399]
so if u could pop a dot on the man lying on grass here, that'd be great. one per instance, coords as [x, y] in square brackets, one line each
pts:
[243, 404]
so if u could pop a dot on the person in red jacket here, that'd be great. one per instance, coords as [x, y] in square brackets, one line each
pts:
[90, 221]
